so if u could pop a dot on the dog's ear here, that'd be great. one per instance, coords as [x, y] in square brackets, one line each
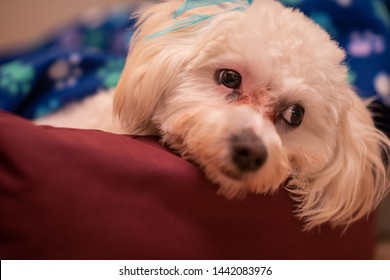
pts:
[150, 70]
[148, 75]
[357, 178]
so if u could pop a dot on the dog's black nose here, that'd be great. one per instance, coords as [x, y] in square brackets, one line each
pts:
[248, 151]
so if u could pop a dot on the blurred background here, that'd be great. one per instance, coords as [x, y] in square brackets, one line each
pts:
[23, 23]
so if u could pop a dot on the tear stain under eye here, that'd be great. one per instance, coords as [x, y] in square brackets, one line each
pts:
[233, 96]
[266, 109]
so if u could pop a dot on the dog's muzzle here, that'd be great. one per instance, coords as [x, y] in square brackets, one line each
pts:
[248, 151]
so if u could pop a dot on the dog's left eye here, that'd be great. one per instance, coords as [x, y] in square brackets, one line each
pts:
[228, 78]
[294, 115]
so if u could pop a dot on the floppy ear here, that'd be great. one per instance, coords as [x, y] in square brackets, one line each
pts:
[356, 180]
[150, 70]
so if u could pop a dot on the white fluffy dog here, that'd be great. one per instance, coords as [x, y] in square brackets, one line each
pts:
[257, 95]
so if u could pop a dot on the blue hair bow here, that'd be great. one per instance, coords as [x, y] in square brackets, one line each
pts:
[195, 18]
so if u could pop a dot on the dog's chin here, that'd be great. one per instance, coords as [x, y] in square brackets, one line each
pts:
[233, 183]
[236, 184]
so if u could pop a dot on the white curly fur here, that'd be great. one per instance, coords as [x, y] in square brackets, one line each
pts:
[332, 163]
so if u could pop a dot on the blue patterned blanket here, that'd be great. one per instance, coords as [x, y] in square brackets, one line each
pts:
[88, 55]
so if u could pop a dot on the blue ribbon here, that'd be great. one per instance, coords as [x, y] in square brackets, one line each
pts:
[195, 18]
[190, 5]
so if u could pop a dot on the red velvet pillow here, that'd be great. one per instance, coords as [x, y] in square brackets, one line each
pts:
[78, 194]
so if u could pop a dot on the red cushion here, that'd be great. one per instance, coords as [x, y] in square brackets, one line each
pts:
[83, 194]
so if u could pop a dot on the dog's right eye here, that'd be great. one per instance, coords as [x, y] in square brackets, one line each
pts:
[228, 78]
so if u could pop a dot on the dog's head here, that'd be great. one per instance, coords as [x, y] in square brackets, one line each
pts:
[257, 95]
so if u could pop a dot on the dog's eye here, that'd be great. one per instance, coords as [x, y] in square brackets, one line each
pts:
[228, 78]
[294, 115]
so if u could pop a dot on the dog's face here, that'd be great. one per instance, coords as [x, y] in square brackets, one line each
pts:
[258, 99]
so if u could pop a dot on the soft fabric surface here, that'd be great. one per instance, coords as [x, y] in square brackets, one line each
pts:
[79, 194]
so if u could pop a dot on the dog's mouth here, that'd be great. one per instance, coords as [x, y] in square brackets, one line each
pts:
[224, 170]
[235, 175]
